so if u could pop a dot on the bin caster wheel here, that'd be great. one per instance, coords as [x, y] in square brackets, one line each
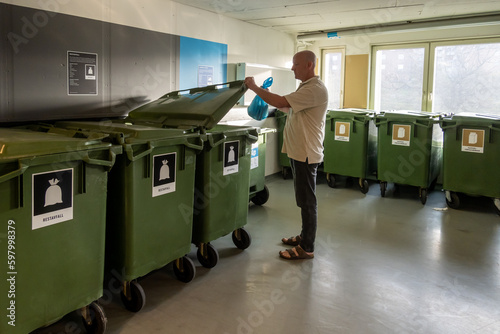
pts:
[423, 195]
[241, 238]
[94, 319]
[452, 199]
[184, 269]
[207, 255]
[285, 172]
[261, 197]
[496, 202]
[330, 179]
[364, 185]
[383, 188]
[133, 296]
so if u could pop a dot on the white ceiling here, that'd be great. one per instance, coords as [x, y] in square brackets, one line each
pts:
[313, 16]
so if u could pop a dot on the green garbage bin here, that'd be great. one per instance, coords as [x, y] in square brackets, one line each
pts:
[284, 161]
[150, 203]
[471, 157]
[409, 149]
[346, 145]
[223, 166]
[53, 211]
[259, 193]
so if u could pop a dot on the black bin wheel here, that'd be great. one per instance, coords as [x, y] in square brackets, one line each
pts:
[383, 188]
[330, 179]
[261, 197]
[452, 199]
[363, 184]
[136, 299]
[423, 195]
[241, 238]
[184, 269]
[94, 319]
[207, 255]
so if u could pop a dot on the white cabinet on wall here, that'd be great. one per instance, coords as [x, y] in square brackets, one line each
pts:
[283, 79]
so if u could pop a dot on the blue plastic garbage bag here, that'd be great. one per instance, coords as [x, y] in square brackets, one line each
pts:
[258, 108]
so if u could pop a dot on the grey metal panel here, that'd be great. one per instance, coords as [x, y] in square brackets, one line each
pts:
[134, 65]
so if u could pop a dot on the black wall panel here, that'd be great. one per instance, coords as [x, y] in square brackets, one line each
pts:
[133, 65]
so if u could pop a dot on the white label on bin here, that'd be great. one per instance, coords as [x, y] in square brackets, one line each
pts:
[254, 160]
[473, 140]
[231, 157]
[342, 131]
[401, 134]
[52, 198]
[164, 171]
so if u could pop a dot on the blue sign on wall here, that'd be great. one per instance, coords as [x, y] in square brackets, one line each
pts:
[201, 63]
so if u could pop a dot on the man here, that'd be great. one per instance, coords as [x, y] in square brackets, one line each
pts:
[303, 142]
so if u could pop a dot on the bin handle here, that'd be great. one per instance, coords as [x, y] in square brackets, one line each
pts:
[130, 152]
[493, 127]
[428, 125]
[99, 162]
[22, 168]
[211, 141]
[252, 138]
[194, 146]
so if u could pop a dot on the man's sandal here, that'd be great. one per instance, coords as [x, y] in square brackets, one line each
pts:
[292, 241]
[296, 253]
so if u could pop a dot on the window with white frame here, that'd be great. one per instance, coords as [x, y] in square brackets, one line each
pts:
[333, 76]
[451, 76]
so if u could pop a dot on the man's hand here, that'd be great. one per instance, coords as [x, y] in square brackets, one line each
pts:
[250, 83]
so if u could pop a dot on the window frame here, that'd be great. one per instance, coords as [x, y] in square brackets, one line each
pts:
[341, 50]
[429, 63]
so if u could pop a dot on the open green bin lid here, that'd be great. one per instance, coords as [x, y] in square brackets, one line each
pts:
[192, 108]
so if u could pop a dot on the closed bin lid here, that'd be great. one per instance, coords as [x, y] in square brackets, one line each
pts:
[123, 133]
[197, 107]
[350, 113]
[23, 143]
[473, 119]
[405, 114]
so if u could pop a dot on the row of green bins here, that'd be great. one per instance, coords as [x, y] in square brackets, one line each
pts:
[53, 188]
[222, 169]
[259, 193]
[409, 149]
[346, 145]
[471, 157]
[283, 157]
[150, 203]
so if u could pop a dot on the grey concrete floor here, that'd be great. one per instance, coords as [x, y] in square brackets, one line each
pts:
[382, 265]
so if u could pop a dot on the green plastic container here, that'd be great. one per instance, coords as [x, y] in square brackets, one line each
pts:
[259, 193]
[223, 167]
[53, 211]
[150, 202]
[471, 157]
[346, 145]
[282, 157]
[409, 149]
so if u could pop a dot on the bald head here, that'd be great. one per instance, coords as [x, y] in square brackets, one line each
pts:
[307, 55]
[304, 63]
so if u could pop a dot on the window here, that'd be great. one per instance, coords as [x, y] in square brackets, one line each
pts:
[399, 78]
[333, 76]
[465, 76]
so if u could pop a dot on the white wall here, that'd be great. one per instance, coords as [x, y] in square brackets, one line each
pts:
[246, 42]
